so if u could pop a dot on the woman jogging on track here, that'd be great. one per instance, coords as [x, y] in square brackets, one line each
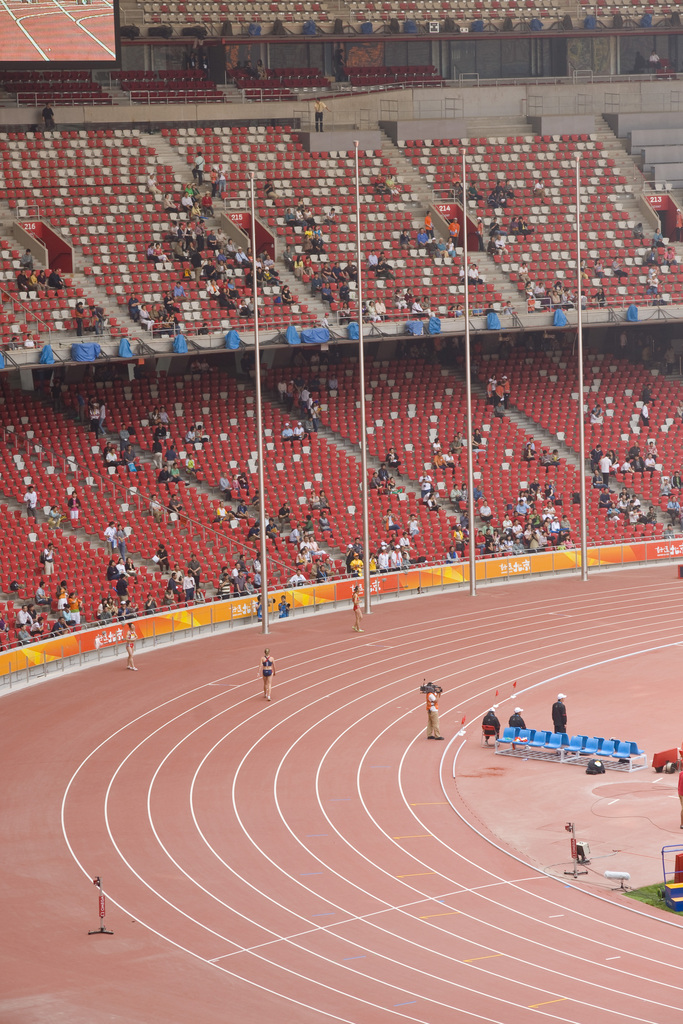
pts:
[131, 637]
[357, 611]
[267, 671]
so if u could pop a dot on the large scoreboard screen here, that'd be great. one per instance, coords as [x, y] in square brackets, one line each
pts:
[68, 33]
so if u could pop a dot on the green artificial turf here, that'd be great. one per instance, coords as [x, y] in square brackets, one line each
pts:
[653, 895]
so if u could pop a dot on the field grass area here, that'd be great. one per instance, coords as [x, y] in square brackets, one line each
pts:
[652, 895]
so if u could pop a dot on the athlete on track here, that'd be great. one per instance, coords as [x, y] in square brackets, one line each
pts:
[131, 637]
[267, 668]
[357, 611]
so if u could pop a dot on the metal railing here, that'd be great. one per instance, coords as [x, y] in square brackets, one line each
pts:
[6, 296]
[393, 325]
[150, 96]
[34, 99]
[24, 663]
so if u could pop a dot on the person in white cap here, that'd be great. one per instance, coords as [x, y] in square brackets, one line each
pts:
[559, 713]
[516, 721]
[490, 725]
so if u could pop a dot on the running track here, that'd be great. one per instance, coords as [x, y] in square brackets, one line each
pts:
[312, 859]
[59, 30]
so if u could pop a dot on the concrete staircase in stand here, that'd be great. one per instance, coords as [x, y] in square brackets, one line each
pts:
[551, 441]
[422, 197]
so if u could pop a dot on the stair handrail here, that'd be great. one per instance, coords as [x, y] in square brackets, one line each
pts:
[7, 296]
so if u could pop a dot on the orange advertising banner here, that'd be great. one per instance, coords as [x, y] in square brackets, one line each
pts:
[183, 619]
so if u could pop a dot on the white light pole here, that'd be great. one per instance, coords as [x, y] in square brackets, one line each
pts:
[468, 383]
[361, 369]
[579, 347]
[259, 425]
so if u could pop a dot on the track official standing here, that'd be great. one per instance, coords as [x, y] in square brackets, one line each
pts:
[559, 713]
[433, 717]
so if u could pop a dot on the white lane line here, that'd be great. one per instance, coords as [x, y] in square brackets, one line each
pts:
[375, 952]
[83, 29]
[21, 28]
[503, 880]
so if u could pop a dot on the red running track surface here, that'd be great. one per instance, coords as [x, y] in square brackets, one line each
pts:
[312, 859]
[59, 30]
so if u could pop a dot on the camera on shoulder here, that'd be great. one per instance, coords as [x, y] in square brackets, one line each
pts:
[431, 688]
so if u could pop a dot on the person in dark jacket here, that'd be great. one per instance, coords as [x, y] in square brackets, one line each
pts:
[516, 721]
[490, 720]
[559, 713]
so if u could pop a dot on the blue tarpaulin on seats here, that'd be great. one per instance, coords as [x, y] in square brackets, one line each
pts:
[309, 28]
[292, 335]
[414, 327]
[254, 29]
[125, 351]
[632, 312]
[85, 353]
[180, 344]
[478, 25]
[366, 28]
[493, 321]
[560, 320]
[2, 361]
[434, 325]
[353, 331]
[535, 25]
[232, 340]
[590, 23]
[315, 336]
[410, 27]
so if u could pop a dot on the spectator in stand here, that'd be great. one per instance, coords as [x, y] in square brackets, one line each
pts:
[597, 414]
[31, 503]
[48, 116]
[529, 451]
[198, 169]
[161, 557]
[55, 281]
[320, 107]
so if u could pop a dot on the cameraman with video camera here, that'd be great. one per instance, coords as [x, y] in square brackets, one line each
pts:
[432, 693]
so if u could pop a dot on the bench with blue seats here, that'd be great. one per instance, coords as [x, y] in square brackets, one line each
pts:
[543, 745]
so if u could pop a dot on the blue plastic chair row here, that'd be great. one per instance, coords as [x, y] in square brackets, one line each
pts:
[587, 746]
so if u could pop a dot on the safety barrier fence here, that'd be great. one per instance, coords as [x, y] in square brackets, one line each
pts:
[38, 660]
